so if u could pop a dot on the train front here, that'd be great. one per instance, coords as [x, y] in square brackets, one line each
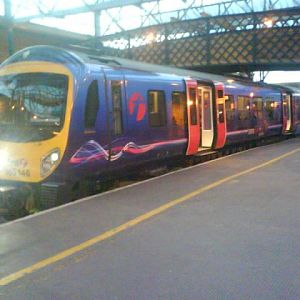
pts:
[35, 108]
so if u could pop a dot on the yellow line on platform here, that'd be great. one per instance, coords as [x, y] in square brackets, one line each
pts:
[114, 231]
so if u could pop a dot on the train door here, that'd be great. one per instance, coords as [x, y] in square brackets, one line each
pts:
[193, 117]
[287, 112]
[206, 116]
[115, 99]
[220, 124]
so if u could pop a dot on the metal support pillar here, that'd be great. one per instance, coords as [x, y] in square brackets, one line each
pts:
[97, 16]
[263, 75]
[10, 32]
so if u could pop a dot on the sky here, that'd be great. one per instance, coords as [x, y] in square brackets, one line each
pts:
[128, 18]
[280, 76]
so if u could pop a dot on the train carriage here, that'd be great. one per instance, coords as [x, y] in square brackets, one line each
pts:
[68, 120]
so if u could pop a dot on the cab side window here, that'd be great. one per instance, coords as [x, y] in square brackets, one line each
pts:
[92, 105]
[157, 109]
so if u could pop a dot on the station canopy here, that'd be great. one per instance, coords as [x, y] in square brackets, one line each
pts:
[103, 17]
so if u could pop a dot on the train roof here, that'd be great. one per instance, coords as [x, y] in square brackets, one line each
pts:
[81, 56]
[93, 56]
[293, 87]
[153, 68]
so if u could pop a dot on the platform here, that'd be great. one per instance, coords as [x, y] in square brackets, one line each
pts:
[226, 229]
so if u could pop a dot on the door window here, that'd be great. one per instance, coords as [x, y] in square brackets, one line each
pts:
[193, 106]
[287, 106]
[206, 111]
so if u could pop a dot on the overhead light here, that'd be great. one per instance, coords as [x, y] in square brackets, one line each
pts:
[3, 159]
[268, 22]
[150, 37]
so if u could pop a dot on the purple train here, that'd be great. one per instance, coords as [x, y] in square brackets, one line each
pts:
[71, 119]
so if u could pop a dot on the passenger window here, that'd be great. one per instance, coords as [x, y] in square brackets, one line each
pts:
[178, 109]
[157, 108]
[230, 108]
[257, 108]
[92, 105]
[116, 93]
[243, 106]
[270, 109]
[230, 112]
[273, 110]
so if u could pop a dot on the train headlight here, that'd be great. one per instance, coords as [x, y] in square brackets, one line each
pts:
[3, 159]
[49, 162]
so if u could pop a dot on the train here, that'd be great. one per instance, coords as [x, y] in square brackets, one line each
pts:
[69, 120]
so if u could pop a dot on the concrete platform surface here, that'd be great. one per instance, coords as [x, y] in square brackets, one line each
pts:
[227, 229]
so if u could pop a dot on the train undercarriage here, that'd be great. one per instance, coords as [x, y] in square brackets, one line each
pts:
[18, 200]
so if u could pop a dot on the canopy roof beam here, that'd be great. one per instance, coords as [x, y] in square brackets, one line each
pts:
[105, 5]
